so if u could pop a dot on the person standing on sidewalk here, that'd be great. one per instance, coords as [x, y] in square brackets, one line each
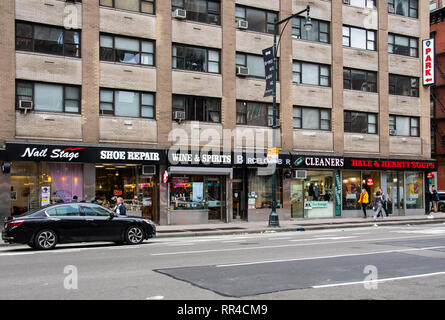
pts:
[436, 199]
[364, 200]
[384, 202]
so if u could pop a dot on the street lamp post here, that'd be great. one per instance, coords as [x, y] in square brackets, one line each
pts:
[273, 217]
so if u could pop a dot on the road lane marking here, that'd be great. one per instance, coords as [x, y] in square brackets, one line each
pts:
[379, 280]
[285, 245]
[327, 257]
[232, 241]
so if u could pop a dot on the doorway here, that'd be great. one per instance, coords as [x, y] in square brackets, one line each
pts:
[216, 197]
[396, 193]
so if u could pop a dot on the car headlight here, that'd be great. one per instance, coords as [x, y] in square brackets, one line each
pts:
[149, 222]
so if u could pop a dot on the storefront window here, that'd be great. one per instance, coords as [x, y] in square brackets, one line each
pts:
[260, 190]
[63, 180]
[351, 190]
[414, 190]
[24, 187]
[126, 181]
[395, 189]
[313, 197]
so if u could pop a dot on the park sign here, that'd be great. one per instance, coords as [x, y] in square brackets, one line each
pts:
[428, 62]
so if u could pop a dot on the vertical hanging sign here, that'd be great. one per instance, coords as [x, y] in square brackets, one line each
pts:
[428, 62]
[269, 66]
[338, 197]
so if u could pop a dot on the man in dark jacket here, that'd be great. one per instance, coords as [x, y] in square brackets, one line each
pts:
[120, 207]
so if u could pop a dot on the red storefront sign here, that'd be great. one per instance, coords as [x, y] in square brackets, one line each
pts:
[379, 164]
[430, 175]
[370, 182]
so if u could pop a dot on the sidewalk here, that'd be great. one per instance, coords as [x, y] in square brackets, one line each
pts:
[243, 227]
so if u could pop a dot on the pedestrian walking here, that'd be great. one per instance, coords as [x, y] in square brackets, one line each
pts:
[436, 199]
[364, 201]
[428, 199]
[378, 205]
[120, 207]
[384, 201]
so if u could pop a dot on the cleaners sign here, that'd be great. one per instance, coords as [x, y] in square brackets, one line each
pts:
[428, 62]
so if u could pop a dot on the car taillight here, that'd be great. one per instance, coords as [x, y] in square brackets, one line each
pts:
[15, 223]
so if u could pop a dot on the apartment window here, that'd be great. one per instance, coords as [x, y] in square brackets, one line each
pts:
[354, 79]
[126, 50]
[311, 73]
[360, 122]
[198, 108]
[361, 3]
[49, 97]
[404, 126]
[359, 38]
[319, 31]
[403, 45]
[47, 39]
[312, 118]
[257, 19]
[407, 8]
[196, 59]
[144, 6]
[255, 64]
[254, 113]
[207, 11]
[124, 103]
[403, 85]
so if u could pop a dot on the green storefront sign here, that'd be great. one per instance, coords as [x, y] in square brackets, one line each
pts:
[337, 193]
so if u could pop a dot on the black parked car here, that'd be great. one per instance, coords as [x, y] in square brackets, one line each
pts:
[75, 222]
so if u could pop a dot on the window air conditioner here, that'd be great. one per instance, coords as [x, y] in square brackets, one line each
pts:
[392, 132]
[270, 122]
[25, 105]
[242, 24]
[242, 71]
[391, 9]
[345, 1]
[180, 14]
[179, 115]
[300, 174]
[148, 170]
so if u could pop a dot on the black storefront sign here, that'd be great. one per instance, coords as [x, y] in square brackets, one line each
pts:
[252, 159]
[269, 66]
[83, 154]
[317, 162]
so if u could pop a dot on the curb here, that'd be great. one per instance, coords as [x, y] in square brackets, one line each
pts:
[297, 228]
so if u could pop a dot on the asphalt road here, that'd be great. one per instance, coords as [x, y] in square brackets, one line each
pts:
[402, 262]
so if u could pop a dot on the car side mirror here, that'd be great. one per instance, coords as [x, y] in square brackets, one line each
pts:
[112, 215]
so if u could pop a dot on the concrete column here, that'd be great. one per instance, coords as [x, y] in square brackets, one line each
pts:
[90, 71]
[163, 71]
[383, 78]
[7, 70]
[89, 181]
[228, 65]
[337, 76]
[5, 196]
[285, 73]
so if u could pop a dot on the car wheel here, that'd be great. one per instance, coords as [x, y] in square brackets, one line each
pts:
[134, 235]
[45, 240]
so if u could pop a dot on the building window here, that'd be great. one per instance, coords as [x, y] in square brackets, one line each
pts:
[255, 65]
[407, 8]
[402, 45]
[144, 6]
[360, 122]
[359, 38]
[370, 4]
[126, 50]
[49, 97]
[123, 103]
[255, 113]
[354, 79]
[319, 31]
[403, 85]
[351, 190]
[257, 19]
[414, 190]
[311, 73]
[198, 108]
[312, 118]
[260, 190]
[404, 126]
[207, 11]
[47, 39]
[196, 59]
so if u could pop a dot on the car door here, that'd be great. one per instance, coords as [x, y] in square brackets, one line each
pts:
[103, 227]
[68, 222]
